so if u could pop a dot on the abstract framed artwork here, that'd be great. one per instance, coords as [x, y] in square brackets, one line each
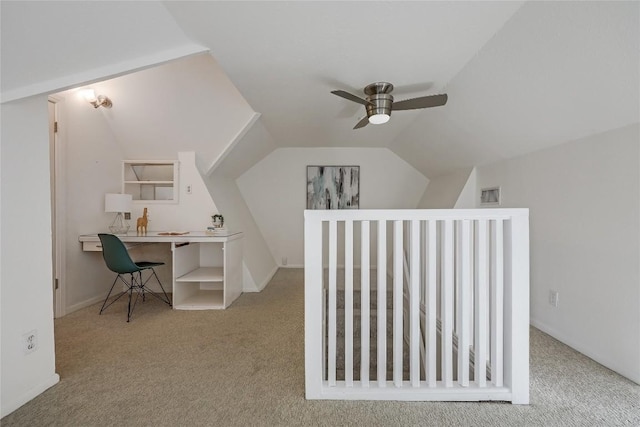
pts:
[333, 187]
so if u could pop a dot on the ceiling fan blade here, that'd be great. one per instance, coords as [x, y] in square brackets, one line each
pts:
[422, 102]
[362, 123]
[350, 97]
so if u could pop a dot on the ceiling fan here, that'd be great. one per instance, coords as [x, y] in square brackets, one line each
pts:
[379, 102]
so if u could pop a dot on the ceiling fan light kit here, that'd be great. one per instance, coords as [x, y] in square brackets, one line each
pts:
[379, 118]
[379, 102]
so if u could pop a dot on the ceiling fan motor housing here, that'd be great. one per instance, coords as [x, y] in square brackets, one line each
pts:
[380, 99]
[379, 103]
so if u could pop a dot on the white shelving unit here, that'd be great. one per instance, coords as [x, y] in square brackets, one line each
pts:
[207, 275]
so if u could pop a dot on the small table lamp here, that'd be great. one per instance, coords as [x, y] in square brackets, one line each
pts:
[119, 203]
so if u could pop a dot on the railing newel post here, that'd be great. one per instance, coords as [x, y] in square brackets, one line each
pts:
[313, 325]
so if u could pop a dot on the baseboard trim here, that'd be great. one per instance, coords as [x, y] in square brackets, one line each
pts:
[84, 304]
[266, 281]
[29, 395]
[604, 361]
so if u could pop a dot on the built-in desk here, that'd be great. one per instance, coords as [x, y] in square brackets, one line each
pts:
[206, 269]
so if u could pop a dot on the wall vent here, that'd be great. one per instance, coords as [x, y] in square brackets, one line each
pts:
[490, 196]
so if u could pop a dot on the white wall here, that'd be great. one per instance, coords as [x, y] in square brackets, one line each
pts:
[275, 190]
[25, 267]
[92, 157]
[258, 263]
[443, 191]
[192, 212]
[468, 195]
[584, 206]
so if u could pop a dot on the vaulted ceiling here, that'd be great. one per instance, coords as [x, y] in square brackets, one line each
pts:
[520, 76]
[285, 58]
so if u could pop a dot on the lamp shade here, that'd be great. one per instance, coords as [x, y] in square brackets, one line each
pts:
[114, 202]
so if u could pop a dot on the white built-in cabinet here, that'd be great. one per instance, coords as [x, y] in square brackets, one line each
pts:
[207, 275]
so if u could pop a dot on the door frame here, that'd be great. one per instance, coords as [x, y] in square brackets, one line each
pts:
[58, 204]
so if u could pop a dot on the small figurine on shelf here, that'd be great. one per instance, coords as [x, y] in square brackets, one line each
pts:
[141, 226]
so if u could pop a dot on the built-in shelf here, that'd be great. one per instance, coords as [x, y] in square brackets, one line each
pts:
[202, 300]
[151, 181]
[207, 275]
[203, 274]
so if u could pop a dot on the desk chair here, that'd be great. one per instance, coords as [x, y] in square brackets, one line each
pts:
[118, 260]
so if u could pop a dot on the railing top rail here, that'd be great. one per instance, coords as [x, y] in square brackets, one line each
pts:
[414, 214]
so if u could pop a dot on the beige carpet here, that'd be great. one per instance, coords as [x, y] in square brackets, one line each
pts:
[244, 366]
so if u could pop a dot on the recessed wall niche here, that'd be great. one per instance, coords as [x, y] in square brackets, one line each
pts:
[150, 180]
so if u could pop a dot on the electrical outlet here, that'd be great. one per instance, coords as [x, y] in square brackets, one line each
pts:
[284, 260]
[553, 298]
[189, 190]
[30, 342]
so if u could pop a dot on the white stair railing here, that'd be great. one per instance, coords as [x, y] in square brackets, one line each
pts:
[463, 305]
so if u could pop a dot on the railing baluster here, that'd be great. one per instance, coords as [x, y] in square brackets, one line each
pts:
[414, 304]
[457, 265]
[397, 302]
[382, 303]
[497, 306]
[465, 304]
[348, 303]
[332, 302]
[447, 304]
[481, 302]
[325, 306]
[431, 334]
[365, 312]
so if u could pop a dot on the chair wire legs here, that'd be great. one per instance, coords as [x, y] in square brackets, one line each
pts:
[104, 304]
[144, 287]
[137, 285]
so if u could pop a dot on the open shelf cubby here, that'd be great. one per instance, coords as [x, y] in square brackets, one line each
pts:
[207, 275]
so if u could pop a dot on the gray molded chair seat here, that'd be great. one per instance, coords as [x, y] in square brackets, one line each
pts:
[117, 258]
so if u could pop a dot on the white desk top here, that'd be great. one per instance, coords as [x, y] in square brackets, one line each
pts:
[155, 236]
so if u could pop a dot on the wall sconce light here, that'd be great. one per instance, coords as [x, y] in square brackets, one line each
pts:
[96, 100]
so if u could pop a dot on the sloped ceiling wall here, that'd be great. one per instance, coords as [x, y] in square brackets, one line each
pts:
[520, 77]
[51, 46]
[286, 57]
[556, 72]
[184, 105]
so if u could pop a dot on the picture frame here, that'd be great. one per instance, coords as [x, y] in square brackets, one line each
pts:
[333, 187]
